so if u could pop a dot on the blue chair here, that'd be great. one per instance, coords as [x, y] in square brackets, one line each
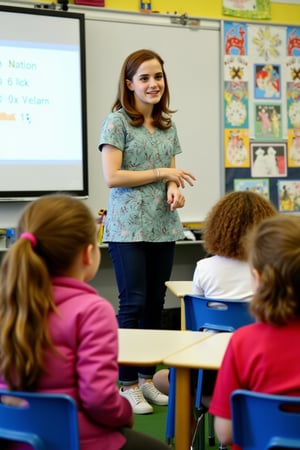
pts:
[265, 421]
[45, 421]
[216, 315]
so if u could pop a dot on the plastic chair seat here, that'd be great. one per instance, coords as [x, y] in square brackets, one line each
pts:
[265, 421]
[45, 421]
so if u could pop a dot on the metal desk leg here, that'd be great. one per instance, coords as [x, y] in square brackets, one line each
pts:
[183, 409]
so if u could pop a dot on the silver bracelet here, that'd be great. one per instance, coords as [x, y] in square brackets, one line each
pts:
[156, 173]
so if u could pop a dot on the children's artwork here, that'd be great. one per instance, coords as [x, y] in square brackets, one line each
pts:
[266, 42]
[251, 9]
[289, 196]
[236, 104]
[268, 123]
[293, 104]
[293, 41]
[235, 39]
[294, 147]
[237, 148]
[236, 68]
[260, 186]
[236, 114]
[261, 125]
[294, 114]
[293, 71]
[236, 90]
[268, 159]
[267, 81]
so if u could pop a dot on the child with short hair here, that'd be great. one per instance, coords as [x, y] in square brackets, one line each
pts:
[225, 274]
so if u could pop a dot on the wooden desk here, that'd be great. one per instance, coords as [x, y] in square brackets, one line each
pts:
[206, 354]
[179, 289]
[150, 347]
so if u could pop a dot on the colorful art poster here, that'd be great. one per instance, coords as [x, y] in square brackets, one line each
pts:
[267, 81]
[293, 104]
[294, 147]
[260, 186]
[293, 71]
[236, 90]
[235, 104]
[293, 41]
[236, 68]
[268, 121]
[268, 159]
[235, 39]
[237, 148]
[266, 43]
[265, 59]
[288, 195]
[250, 9]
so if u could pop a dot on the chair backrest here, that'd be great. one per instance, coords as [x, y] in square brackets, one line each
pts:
[45, 421]
[215, 314]
[265, 421]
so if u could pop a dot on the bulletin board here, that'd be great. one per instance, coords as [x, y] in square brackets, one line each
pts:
[261, 95]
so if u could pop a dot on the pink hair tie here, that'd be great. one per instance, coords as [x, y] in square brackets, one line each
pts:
[30, 237]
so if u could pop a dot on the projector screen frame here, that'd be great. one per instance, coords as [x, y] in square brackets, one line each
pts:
[80, 189]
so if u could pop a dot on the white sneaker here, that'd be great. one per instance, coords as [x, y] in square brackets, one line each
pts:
[136, 399]
[153, 395]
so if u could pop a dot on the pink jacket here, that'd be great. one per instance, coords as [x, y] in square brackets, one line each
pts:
[85, 332]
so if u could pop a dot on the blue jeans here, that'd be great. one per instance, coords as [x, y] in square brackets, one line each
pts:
[141, 269]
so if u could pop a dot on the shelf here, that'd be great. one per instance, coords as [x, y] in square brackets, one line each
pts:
[101, 246]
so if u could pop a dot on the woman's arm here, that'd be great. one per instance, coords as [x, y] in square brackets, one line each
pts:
[175, 198]
[116, 177]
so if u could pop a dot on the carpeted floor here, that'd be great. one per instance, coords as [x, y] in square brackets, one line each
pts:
[155, 424]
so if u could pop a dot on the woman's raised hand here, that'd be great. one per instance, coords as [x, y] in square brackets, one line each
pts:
[179, 176]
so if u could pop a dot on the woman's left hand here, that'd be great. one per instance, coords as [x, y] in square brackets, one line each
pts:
[174, 196]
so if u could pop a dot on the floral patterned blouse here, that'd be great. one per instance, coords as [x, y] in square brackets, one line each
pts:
[140, 213]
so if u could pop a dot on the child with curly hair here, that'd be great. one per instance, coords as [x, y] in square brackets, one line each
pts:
[265, 356]
[225, 273]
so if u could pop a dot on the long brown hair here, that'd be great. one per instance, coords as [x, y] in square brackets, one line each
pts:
[125, 97]
[274, 251]
[61, 226]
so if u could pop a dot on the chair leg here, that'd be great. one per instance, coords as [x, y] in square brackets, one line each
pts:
[198, 437]
[169, 442]
[211, 431]
[170, 425]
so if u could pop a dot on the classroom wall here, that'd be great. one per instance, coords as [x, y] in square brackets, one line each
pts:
[281, 12]
[211, 9]
[186, 255]
[195, 87]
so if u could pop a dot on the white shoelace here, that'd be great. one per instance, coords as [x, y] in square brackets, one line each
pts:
[153, 390]
[137, 395]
